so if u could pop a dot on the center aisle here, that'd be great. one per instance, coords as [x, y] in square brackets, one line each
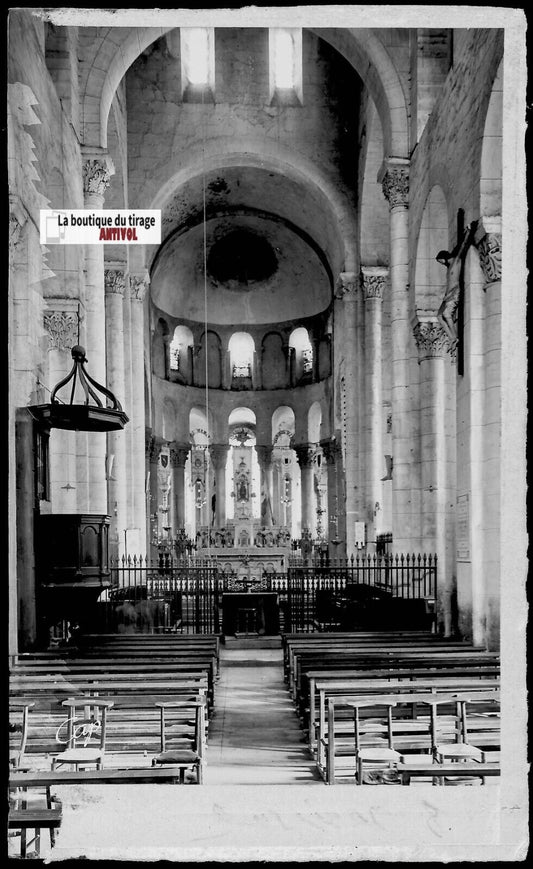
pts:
[254, 735]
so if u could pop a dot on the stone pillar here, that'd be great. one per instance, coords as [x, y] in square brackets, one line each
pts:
[154, 447]
[68, 478]
[331, 453]
[178, 459]
[347, 343]
[373, 281]
[138, 285]
[304, 454]
[264, 457]
[219, 458]
[97, 171]
[488, 240]
[117, 491]
[396, 191]
[433, 346]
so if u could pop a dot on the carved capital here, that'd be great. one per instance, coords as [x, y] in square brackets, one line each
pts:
[395, 186]
[97, 172]
[218, 454]
[347, 286]
[115, 281]
[264, 454]
[488, 240]
[304, 454]
[373, 280]
[431, 339]
[62, 328]
[178, 454]
[138, 286]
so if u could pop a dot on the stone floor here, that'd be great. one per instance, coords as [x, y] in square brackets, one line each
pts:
[254, 735]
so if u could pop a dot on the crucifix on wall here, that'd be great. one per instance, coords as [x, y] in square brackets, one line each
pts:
[451, 311]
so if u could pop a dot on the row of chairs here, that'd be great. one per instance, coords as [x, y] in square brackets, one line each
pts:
[382, 708]
[131, 713]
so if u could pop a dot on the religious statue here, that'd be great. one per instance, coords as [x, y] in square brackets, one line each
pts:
[454, 262]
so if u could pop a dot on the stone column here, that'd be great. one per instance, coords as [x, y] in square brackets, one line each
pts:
[331, 453]
[433, 346]
[97, 172]
[178, 459]
[347, 347]
[138, 285]
[117, 490]
[264, 457]
[488, 240]
[396, 191]
[153, 451]
[304, 454]
[68, 482]
[219, 458]
[373, 280]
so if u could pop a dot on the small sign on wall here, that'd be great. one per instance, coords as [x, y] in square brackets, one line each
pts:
[360, 535]
[463, 527]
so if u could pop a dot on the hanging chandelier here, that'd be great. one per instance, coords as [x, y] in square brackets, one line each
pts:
[81, 416]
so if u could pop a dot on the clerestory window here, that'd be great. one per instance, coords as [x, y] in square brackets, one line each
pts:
[285, 54]
[197, 63]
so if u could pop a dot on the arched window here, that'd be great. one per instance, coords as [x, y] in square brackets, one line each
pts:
[302, 354]
[197, 61]
[285, 51]
[241, 349]
[179, 353]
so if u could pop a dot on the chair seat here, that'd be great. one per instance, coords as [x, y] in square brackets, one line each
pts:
[177, 756]
[378, 754]
[459, 749]
[80, 755]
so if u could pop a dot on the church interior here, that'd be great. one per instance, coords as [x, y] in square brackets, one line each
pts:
[257, 474]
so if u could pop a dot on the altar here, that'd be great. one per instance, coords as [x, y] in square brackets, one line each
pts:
[250, 613]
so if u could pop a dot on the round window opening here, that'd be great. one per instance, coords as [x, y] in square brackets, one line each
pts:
[241, 258]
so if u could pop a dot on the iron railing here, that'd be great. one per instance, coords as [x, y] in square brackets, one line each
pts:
[185, 595]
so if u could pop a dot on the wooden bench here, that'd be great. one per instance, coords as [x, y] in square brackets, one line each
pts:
[322, 684]
[397, 661]
[32, 819]
[411, 732]
[407, 771]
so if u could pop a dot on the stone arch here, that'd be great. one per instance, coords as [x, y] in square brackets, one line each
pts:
[430, 276]
[273, 362]
[119, 47]
[283, 421]
[490, 184]
[301, 355]
[221, 153]
[241, 349]
[181, 355]
[363, 49]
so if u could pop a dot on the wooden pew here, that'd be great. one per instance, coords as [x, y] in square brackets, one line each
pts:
[323, 685]
[339, 681]
[317, 642]
[413, 732]
[407, 771]
[399, 659]
[327, 649]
